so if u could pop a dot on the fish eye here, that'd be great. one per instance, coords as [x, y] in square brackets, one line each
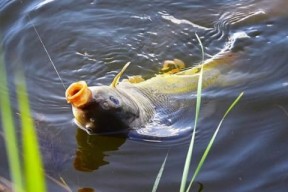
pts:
[114, 100]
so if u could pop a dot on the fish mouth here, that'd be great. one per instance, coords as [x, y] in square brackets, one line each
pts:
[78, 94]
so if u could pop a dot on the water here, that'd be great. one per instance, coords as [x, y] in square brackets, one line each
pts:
[91, 40]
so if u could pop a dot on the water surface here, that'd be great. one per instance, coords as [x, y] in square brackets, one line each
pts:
[92, 39]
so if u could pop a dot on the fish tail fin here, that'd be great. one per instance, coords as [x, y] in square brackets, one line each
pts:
[226, 56]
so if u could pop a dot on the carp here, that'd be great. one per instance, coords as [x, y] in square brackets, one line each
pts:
[134, 102]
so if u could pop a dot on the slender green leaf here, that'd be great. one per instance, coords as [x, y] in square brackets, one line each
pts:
[9, 130]
[155, 186]
[198, 103]
[203, 158]
[201, 46]
[34, 173]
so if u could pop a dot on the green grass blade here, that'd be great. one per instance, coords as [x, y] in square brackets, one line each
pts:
[34, 173]
[201, 46]
[198, 103]
[203, 158]
[10, 136]
[156, 183]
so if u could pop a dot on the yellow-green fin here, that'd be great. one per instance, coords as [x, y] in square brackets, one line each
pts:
[117, 77]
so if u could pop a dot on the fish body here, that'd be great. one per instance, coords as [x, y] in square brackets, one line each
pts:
[160, 94]
[125, 105]
[133, 105]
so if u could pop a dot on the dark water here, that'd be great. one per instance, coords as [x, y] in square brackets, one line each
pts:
[91, 40]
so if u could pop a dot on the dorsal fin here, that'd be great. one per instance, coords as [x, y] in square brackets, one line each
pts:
[117, 77]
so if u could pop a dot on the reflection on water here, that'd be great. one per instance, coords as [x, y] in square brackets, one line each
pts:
[92, 149]
[91, 40]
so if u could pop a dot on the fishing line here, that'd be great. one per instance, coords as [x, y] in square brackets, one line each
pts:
[45, 49]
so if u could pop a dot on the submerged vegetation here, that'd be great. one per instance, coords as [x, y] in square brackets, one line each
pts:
[31, 178]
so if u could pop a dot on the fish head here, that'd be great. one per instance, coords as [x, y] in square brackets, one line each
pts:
[101, 109]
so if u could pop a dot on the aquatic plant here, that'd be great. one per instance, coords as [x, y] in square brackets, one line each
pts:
[9, 132]
[157, 181]
[32, 178]
[204, 156]
[192, 141]
[198, 103]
